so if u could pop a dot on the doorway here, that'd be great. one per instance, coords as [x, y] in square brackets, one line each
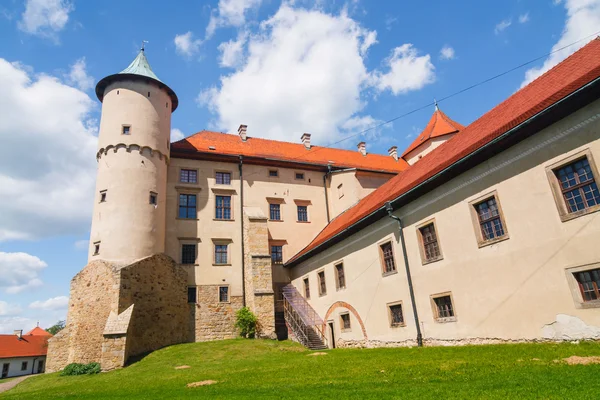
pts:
[40, 366]
[5, 370]
[332, 334]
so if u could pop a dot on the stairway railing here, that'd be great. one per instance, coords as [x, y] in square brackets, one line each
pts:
[301, 317]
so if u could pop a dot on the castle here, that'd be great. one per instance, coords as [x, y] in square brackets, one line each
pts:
[479, 234]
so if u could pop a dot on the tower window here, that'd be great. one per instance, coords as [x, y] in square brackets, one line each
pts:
[153, 198]
[96, 248]
[126, 130]
[102, 196]
[148, 94]
[223, 294]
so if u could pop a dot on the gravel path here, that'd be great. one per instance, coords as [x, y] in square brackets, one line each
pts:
[12, 383]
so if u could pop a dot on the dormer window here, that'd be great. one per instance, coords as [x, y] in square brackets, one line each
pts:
[126, 130]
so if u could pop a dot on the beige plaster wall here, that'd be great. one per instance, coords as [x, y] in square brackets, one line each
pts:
[426, 148]
[516, 289]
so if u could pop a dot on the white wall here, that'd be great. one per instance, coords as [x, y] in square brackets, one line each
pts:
[15, 365]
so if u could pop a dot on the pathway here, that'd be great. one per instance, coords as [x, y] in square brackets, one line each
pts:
[12, 383]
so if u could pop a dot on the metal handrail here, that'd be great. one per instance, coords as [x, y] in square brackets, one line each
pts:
[297, 308]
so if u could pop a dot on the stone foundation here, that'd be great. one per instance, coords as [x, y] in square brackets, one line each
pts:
[430, 342]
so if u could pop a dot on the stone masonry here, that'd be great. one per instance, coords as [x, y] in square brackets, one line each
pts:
[214, 320]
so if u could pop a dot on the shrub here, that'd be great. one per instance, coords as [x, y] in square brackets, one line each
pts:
[81, 369]
[246, 322]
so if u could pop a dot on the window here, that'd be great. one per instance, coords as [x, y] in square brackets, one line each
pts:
[153, 198]
[191, 294]
[345, 319]
[102, 196]
[96, 248]
[299, 175]
[187, 206]
[220, 254]
[223, 294]
[223, 207]
[188, 253]
[387, 256]
[188, 176]
[322, 284]
[443, 308]
[126, 129]
[273, 173]
[589, 284]
[24, 366]
[302, 213]
[340, 277]
[275, 212]
[430, 248]
[396, 315]
[223, 178]
[306, 289]
[488, 219]
[340, 190]
[277, 254]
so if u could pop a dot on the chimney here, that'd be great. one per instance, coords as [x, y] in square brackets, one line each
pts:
[242, 132]
[18, 333]
[362, 147]
[393, 152]
[305, 138]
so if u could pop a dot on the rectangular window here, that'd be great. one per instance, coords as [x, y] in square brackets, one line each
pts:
[153, 198]
[220, 254]
[387, 256]
[430, 248]
[322, 284]
[275, 212]
[299, 175]
[340, 277]
[273, 173]
[490, 220]
[24, 366]
[188, 253]
[96, 248]
[277, 254]
[443, 307]
[126, 130]
[191, 294]
[306, 289]
[589, 284]
[340, 190]
[102, 196]
[396, 315]
[223, 207]
[187, 206]
[223, 178]
[345, 319]
[578, 186]
[223, 294]
[303, 213]
[188, 176]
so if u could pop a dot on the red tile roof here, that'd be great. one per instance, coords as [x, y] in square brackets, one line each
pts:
[27, 346]
[37, 331]
[439, 125]
[577, 70]
[229, 144]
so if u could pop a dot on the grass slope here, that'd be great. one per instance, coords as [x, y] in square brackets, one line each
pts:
[270, 369]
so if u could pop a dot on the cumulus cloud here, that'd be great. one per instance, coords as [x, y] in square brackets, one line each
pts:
[47, 157]
[303, 71]
[186, 45]
[19, 271]
[447, 53]
[502, 25]
[9, 309]
[232, 52]
[79, 77]
[45, 17]
[10, 324]
[176, 135]
[53, 303]
[583, 19]
[82, 244]
[230, 13]
[407, 71]
[523, 18]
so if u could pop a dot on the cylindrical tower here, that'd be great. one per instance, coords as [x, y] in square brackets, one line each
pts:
[133, 152]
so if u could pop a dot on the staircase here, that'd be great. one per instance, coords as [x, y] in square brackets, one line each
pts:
[306, 324]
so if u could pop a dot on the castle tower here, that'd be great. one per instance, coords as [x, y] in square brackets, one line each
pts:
[133, 152]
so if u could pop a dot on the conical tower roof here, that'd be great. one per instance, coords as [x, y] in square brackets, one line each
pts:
[439, 125]
[140, 70]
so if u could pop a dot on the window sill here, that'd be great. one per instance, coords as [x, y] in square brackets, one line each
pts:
[187, 219]
[398, 325]
[345, 330]
[188, 187]
[493, 241]
[221, 265]
[275, 220]
[223, 220]
[445, 320]
[589, 304]
[431, 261]
[580, 213]
[322, 294]
[340, 289]
[389, 273]
[303, 222]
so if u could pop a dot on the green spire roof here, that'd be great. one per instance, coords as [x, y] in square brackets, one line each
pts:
[140, 66]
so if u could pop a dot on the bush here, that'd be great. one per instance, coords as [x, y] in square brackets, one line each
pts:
[246, 322]
[81, 369]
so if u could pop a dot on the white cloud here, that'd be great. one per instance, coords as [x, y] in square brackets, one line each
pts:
[583, 19]
[502, 25]
[232, 52]
[45, 17]
[82, 244]
[9, 309]
[447, 53]
[407, 71]
[19, 271]
[230, 13]
[79, 77]
[53, 303]
[186, 45]
[47, 157]
[523, 18]
[10, 324]
[176, 135]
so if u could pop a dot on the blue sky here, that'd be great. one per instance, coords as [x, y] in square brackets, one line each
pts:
[330, 68]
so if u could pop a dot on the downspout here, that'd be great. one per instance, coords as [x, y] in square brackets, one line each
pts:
[325, 187]
[389, 209]
[242, 232]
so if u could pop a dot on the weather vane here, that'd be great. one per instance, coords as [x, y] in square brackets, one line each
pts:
[144, 44]
[436, 104]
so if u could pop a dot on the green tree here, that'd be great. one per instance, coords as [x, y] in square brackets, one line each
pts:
[54, 329]
[246, 322]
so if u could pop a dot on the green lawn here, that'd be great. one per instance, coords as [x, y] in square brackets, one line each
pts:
[268, 369]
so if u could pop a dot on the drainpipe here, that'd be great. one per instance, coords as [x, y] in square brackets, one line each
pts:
[242, 232]
[325, 187]
[389, 209]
